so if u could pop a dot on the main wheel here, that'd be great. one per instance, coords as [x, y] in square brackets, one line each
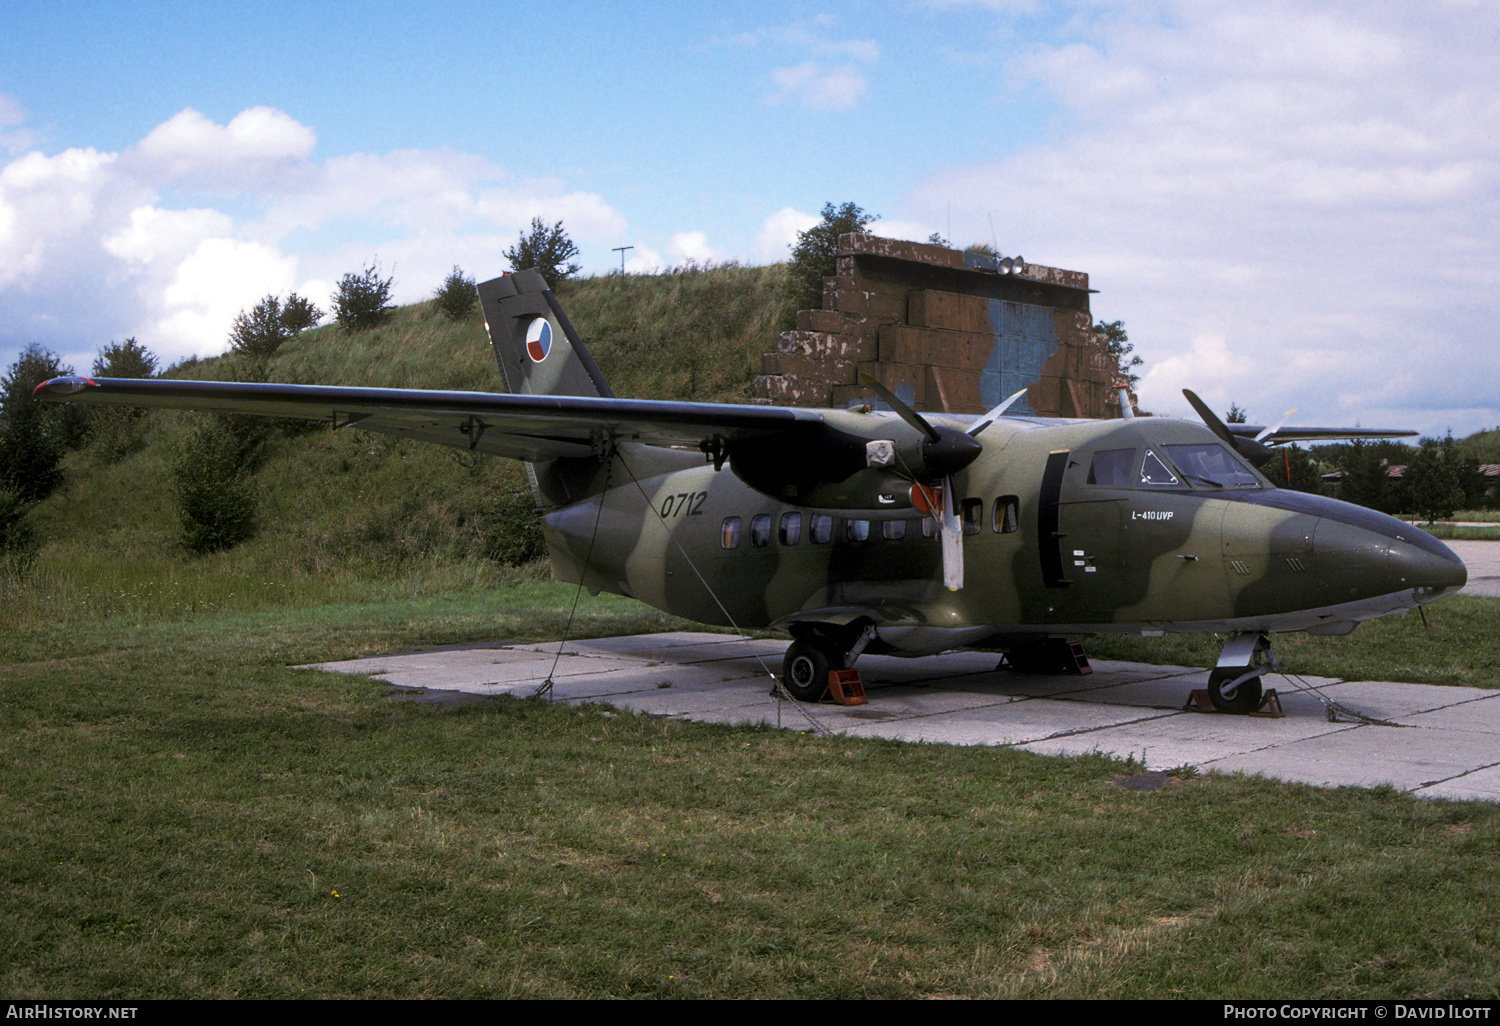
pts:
[806, 667]
[1246, 697]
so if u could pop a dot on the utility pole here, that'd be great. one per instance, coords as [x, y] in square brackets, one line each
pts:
[621, 250]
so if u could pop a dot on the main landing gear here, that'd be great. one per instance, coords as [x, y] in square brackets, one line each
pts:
[806, 667]
[815, 654]
[1234, 685]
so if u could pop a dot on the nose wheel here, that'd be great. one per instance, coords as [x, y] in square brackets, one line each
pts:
[1234, 685]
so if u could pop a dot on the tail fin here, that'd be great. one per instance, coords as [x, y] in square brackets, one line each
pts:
[538, 351]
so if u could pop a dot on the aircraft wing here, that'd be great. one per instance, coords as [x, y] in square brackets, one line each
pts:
[1312, 434]
[528, 427]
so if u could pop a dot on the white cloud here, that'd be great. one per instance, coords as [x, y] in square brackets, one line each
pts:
[818, 87]
[778, 234]
[645, 260]
[256, 151]
[691, 246]
[831, 78]
[1316, 188]
[217, 280]
[95, 246]
[13, 136]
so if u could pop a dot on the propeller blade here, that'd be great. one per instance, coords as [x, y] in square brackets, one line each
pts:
[1210, 418]
[944, 449]
[952, 538]
[1268, 432]
[1252, 450]
[993, 415]
[904, 411]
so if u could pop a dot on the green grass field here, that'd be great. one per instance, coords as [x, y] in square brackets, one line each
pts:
[189, 816]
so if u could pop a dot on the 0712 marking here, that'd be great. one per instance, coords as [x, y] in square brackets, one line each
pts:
[683, 504]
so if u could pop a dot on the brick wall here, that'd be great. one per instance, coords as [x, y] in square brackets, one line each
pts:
[945, 331]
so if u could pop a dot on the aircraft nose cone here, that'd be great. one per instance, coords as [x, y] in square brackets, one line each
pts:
[1428, 567]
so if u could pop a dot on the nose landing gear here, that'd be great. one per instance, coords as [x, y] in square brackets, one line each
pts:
[1234, 685]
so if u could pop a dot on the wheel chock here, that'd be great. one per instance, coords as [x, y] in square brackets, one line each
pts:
[1269, 708]
[1080, 661]
[845, 688]
[1198, 701]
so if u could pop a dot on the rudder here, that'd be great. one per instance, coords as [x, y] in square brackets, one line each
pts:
[538, 350]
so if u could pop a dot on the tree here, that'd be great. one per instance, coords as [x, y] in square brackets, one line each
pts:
[1295, 468]
[299, 313]
[1431, 481]
[34, 436]
[457, 296]
[1120, 347]
[117, 431]
[547, 250]
[1236, 415]
[362, 301]
[128, 359]
[815, 255]
[1366, 466]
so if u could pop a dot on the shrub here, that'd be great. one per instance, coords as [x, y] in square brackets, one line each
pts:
[457, 296]
[18, 542]
[814, 257]
[513, 534]
[216, 506]
[260, 332]
[362, 301]
[548, 250]
[299, 313]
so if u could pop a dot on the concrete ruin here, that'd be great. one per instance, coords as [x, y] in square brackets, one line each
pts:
[948, 332]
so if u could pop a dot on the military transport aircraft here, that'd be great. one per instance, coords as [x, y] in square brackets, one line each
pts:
[862, 530]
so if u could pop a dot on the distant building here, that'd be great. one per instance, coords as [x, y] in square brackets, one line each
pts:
[947, 331]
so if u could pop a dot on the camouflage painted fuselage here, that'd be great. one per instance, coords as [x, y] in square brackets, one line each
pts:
[1071, 528]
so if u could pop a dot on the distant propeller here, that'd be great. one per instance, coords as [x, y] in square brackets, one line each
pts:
[1268, 432]
[1250, 448]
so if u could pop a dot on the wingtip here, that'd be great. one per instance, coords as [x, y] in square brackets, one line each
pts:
[62, 386]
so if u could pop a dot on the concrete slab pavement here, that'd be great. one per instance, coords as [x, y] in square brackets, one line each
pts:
[1445, 741]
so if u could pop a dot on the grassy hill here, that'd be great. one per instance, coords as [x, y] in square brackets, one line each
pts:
[346, 516]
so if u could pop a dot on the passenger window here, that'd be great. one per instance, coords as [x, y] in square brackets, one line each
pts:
[972, 512]
[1111, 467]
[791, 528]
[929, 527]
[822, 529]
[1155, 472]
[893, 530]
[1007, 515]
[857, 530]
[729, 537]
[760, 530]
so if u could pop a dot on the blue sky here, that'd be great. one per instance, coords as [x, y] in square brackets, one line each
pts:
[1289, 204]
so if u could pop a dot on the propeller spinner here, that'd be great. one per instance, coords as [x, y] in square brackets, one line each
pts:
[945, 451]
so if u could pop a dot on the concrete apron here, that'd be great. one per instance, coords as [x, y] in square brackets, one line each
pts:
[1446, 742]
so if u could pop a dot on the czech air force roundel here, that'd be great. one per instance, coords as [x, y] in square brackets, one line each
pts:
[538, 339]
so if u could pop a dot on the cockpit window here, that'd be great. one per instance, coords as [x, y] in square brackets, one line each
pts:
[1155, 472]
[1211, 464]
[1111, 467]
